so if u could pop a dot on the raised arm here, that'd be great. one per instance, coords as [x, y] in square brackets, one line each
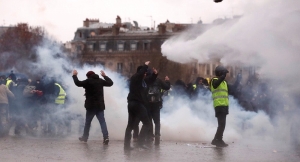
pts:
[107, 82]
[76, 81]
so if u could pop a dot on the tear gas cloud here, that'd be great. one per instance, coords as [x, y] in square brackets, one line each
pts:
[267, 37]
[269, 42]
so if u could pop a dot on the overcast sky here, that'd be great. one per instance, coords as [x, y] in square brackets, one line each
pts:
[61, 18]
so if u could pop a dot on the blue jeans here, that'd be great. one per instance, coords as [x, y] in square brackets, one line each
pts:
[88, 120]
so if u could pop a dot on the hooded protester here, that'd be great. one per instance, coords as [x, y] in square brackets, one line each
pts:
[137, 98]
[94, 102]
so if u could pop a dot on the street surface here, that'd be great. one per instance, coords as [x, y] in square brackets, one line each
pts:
[31, 149]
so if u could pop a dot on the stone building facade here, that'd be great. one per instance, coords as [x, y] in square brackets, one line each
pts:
[122, 47]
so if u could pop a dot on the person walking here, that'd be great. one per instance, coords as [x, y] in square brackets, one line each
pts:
[220, 90]
[94, 102]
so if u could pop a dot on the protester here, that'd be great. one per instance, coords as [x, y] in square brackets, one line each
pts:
[94, 102]
[5, 93]
[220, 90]
[155, 103]
[136, 105]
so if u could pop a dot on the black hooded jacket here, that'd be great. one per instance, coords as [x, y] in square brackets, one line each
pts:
[94, 91]
[137, 92]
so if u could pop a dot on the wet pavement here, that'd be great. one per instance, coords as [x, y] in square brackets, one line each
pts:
[54, 149]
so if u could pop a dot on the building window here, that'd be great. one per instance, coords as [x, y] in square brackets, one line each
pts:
[102, 47]
[121, 47]
[133, 46]
[119, 67]
[90, 47]
[146, 46]
[195, 69]
[80, 34]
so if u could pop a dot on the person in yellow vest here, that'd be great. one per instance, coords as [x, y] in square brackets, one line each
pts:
[9, 83]
[5, 94]
[220, 91]
[60, 123]
[60, 99]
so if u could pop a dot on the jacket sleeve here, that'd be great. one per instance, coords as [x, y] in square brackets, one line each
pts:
[107, 82]
[215, 83]
[79, 83]
[165, 85]
[9, 93]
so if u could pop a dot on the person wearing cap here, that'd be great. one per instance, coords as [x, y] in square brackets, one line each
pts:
[94, 102]
[220, 91]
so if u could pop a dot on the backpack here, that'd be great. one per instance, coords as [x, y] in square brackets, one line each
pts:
[154, 93]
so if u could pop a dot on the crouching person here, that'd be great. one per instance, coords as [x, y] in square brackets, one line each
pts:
[94, 102]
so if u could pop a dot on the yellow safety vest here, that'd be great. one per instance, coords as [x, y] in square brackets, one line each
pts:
[220, 94]
[8, 83]
[194, 86]
[61, 96]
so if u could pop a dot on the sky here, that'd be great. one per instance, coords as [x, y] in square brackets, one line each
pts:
[61, 18]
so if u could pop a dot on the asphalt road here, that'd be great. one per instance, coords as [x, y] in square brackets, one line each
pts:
[70, 149]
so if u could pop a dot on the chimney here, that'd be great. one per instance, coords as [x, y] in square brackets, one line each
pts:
[86, 22]
[161, 29]
[118, 21]
[115, 30]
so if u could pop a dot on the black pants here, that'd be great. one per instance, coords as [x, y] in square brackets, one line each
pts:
[221, 125]
[154, 114]
[136, 111]
[136, 128]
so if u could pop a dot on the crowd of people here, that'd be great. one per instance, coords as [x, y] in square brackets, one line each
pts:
[27, 105]
[34, 107]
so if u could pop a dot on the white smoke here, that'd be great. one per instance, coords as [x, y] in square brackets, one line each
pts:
[265, 36]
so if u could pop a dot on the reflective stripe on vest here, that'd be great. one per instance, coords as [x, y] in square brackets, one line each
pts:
[61, 96]
[220, 94]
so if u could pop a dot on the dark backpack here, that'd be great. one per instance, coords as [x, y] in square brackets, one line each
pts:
[154, 93]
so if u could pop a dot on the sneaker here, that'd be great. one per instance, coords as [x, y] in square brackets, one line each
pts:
[221, 143]
[82, 139]
[214, 142]
[105, 141]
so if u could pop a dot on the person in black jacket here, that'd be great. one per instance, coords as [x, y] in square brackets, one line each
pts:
[94, 102]
[136, 105]
[155, 103]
